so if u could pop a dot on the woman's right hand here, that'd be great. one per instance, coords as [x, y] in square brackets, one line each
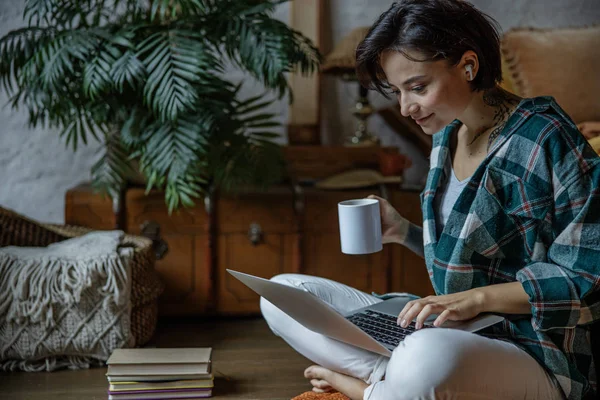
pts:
[394, 227]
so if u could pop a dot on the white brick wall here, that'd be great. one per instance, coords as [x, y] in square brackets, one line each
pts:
[36, 168]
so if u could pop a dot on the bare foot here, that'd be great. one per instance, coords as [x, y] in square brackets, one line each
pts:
[326, 379]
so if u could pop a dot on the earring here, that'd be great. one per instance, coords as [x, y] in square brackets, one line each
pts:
[469, 69]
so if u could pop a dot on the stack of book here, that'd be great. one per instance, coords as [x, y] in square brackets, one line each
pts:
[181, 373]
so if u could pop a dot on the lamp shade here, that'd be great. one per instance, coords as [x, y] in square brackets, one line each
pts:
[342, 60]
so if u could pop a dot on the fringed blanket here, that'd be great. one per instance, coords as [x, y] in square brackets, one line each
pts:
[65, 305]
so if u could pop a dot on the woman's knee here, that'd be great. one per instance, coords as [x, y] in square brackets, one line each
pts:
[294, 280]
[424, 362]
[271, 313]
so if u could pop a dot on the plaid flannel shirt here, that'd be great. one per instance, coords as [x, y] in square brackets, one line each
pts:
[530, 213]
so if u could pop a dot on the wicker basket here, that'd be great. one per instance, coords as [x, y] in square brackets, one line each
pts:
[17, 230]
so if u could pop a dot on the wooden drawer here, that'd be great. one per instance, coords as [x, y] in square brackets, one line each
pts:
[142, 208]
[186, 268]
[273, 211]
[271, 250]
[274, 256]
[83, 207]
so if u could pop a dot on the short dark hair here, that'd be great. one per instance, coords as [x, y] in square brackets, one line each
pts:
[437, 29]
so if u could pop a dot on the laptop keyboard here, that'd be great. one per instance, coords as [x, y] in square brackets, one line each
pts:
[382, 327]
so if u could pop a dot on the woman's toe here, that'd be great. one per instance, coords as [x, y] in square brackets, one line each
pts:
[320, 384]
[314, 371]
[308, 373]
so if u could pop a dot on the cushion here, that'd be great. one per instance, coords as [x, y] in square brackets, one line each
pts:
[590, 129]
[507, 79]
[562, 63]
[333, 395]
[65, 305]
[595, 143]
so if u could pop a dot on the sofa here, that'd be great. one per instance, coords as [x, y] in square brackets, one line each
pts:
[563, 63]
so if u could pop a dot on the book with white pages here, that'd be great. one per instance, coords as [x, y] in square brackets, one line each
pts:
[188, 395]
[157, 378]
[180, 384]
[160, 361]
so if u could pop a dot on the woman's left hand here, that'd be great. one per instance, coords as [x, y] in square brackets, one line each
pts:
[454, 307]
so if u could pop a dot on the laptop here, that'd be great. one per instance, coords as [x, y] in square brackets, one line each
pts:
[372, 328]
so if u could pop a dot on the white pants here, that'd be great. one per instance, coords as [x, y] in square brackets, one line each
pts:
[429, 364]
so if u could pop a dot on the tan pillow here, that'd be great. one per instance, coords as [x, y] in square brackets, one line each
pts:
[564, 63]
[591, 131]
[507, 79]
[595, 143]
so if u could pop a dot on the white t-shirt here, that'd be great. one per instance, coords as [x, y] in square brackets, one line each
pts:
[446, 197]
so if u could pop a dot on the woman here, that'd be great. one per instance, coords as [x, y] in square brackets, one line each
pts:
[511, 214]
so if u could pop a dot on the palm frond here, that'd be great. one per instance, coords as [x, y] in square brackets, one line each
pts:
[268, 49]
[16, 49]
[110, 171]
[165, 10]
[251, 8]
[57, 12]
[114, 63]
[171, 147]
[243, 164]
[38, 11]
[254, 122]
[72, 14]
[97, 72]
[79, 126]
[175, 61]
[185, 189]
[128, 68]
[244, 152]
[55, 59]
[134, 129]
[182, 190]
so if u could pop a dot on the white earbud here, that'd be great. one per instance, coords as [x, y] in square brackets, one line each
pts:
[469, 69]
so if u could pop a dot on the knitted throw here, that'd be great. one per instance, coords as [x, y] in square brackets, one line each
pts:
[65, 305]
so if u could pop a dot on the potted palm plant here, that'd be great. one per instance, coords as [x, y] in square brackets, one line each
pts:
[146, 78]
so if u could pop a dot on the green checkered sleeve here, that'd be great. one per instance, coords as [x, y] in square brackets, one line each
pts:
[563, 290]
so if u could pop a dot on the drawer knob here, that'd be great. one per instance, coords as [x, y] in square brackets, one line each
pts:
[255, 234]
[151, 230]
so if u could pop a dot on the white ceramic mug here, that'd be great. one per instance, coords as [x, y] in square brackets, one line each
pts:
[360, 226]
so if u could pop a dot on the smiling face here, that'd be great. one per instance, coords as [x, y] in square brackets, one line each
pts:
[433, 93]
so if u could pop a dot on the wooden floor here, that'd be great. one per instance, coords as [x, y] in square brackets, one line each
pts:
[249, 362]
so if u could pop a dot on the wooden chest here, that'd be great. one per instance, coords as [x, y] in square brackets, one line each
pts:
[263, 233]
